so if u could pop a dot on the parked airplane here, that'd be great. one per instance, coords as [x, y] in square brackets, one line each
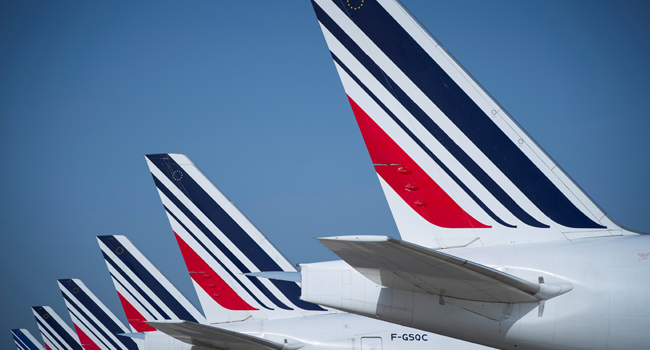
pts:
[55, 332]
[500, 246]
[248, 290]
[25, 340]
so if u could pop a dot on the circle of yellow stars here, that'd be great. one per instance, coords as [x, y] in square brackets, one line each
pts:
[353, 7]
[75, 290]
[119, 250]
[177, 175]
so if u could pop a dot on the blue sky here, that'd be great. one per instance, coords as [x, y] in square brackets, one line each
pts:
[248, 91]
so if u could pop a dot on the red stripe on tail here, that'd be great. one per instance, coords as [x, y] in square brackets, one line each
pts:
[410, 181]
[210, 281]
[85, 340]
[136, 320]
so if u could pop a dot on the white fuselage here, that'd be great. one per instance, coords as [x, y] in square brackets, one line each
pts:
[334, 331]
[346, 331]
[608, 308]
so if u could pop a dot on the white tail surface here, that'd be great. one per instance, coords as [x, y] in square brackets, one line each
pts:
[221, 246]
[25, 340]
[57, 335]
[456, 169]
[145, 293]
[97, 327]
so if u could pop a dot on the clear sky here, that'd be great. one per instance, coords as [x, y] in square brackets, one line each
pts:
[248, 90]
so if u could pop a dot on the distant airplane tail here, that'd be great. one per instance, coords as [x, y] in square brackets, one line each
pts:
[145, 293]
[224, 252]
[57, 335]
[456, 169]
[24, 340]
[97, 327]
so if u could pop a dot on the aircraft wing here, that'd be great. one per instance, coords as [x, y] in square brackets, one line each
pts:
[217, 338]
[402, 265]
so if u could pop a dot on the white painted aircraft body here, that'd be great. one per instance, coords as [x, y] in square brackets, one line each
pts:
[608, 307]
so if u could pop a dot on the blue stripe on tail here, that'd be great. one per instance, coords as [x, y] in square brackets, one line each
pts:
[137, 288]
[22, 341]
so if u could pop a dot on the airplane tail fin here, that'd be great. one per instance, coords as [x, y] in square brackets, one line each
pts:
[24, 340]
[145, 293]
[456, 169]
[222, 249]
[57, 335]
[96, 326]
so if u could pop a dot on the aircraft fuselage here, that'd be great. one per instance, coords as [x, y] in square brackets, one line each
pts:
[608, 307]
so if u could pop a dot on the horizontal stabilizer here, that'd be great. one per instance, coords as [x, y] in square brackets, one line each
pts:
[292, 276]
[139, 335]
[402, 265]
[217, 338]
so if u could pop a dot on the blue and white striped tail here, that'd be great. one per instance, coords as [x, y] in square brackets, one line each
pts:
[57, 335]
[97, 327]
[145, 293]
[221, 247]
[24, 340]
[456, 169]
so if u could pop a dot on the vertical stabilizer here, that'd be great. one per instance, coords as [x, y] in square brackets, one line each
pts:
[25, 340]
[57, 335]
[145, 293]
[456, 169]
[96, 326]
[221, 247]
